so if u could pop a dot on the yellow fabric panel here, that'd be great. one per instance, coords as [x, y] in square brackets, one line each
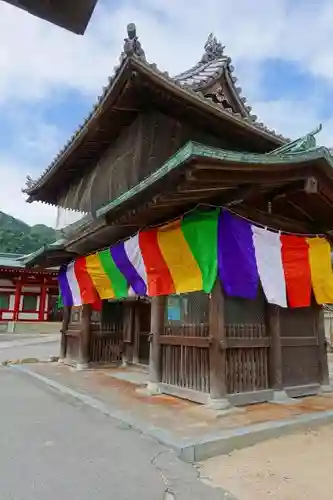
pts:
[99, 278]
[321, 270]
[182, 265]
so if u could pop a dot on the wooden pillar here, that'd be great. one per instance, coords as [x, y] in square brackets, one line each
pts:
[128, 333]
[217, 353]
[84, 339]
[42, 303]
[17, 300]
[322, 350]
[136, 333]
[156, 328]
[65, 322]
[275, 355]
[275, 347]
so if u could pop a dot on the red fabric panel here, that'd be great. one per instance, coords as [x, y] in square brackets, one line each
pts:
[97, 306]
[87, 289]
[296, 266]
[158, 275]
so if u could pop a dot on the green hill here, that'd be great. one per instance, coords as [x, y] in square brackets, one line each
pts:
[18, 237]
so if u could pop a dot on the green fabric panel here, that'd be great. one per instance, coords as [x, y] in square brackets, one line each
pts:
[60, 303]
[118, 281]
[200, 231]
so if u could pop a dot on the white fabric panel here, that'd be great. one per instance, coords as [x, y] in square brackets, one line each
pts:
[267, 245]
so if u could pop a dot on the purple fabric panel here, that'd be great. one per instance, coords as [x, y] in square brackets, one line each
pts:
[66, 293]
[236, 257]
[125, 266]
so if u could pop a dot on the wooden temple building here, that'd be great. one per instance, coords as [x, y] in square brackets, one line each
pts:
[28, 297]
[153, 147]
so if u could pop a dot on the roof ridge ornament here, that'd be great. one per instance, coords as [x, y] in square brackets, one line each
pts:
[302, 144]
[29, 184]
[213, 49]
[132, 45]
[316, 130]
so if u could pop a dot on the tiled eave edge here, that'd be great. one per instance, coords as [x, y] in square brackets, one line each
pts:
[191, 150]
[186, 93]
[52, 247]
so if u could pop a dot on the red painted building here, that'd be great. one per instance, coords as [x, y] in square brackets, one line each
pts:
[26, 295]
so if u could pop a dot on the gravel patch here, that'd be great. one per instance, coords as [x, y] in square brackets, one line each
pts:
[297, 467]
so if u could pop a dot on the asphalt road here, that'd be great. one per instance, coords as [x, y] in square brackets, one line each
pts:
[52, 449]
[56, 448]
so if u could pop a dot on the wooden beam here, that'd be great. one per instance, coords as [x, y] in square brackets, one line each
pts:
[230, 177]
[240, 343]
[285, 190]
[185, 341]
[298, 341]
[311, 185]
[300, 210]
[240, 195]
[273, 220]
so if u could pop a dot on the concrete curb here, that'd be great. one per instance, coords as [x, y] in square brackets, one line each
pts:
[27, 361]
[208, 446]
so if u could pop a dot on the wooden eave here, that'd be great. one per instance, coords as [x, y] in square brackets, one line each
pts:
[48, 256]
[40, 269]
[119, 105]
[68, 14]
[298, 188]
[198, 175]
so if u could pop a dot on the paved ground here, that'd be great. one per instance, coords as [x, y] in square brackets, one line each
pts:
[17, 346]
[184, 420]
[53, 447]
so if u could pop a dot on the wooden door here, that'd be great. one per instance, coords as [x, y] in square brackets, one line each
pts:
[106, 341]
[247, 344]
[299, 343]
[185, 342]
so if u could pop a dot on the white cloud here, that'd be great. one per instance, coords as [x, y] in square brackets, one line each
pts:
[13, 201]
[294, 118]
[39, 61]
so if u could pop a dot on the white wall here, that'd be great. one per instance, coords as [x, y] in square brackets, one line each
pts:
[7, 315]
[27, 316]
[7, 283]
[34, 289]
[7, 286]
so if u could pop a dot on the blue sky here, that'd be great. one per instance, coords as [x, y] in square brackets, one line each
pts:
[49, 79]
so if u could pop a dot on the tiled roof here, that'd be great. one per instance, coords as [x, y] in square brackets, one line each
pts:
[196, 150]
[202, 73]
[206, 73]
[192, 81]
[17, 260]
[11, 260]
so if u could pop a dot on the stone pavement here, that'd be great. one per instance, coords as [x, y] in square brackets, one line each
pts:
[194, 431]
[54, 447]
[19, 346]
